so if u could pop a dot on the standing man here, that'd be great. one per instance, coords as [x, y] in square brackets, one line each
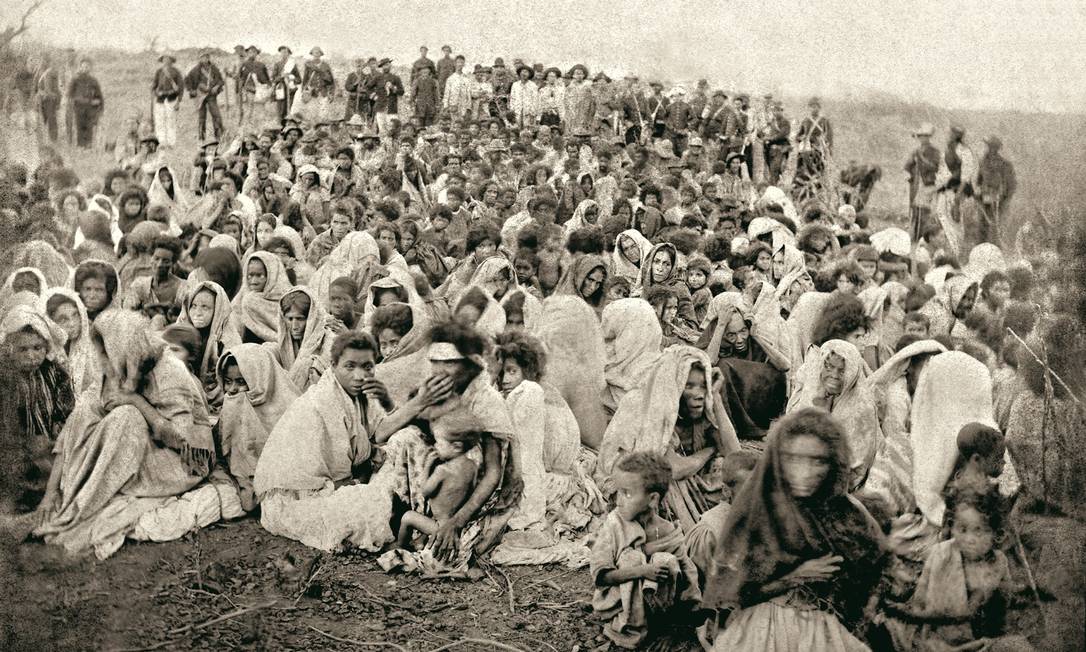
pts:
[961, 167]
[286, 78]
[67, 72]
[814, 144]
[425, 96]
[456, 91]
[85, 97]
[678, 115]
[423, 62]
[166, 90]
[524, 97]
[355, 87]
[921, 170]
[253, 75]
[204, 83]
[777, 146]
[48, 90]
[995, 186]
[657, 106]
[446, 66]
[385, 89]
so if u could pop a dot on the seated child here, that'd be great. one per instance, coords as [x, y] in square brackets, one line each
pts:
[702, 538]
[618, 287]
[665, 302]
[450, 480]
[341, 304]
[698, 270]
[639, 565]
[961, 599]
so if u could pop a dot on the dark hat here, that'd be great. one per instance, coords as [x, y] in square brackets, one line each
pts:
[446, 47]
[499, 63]
[478, 69]
[719, 93]
[283, 47]
[655, 84]
[993, 142]
[702, 83]
[743, 97]
[531, 71]
[316, 52]
[548, 71]
[253, 48]
[165, 56]
[538, 67]
[814, 101]
[372, 60]
[732, 156]
[581, 67]
[239, 48]
[384, 62]
[205, 52]
[602, 75]
[957, 130]
[518, 62]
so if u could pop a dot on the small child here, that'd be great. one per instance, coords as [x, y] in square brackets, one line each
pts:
[698, 270]
[962, 597]
[639, 563]
[916, 323]
[618, 287]
[450, 480]
[981, 453]
[702, 538]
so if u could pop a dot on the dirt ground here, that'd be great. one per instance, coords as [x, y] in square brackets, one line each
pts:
[186, 595]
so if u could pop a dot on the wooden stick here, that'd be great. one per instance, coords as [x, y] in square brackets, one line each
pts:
[492, 645]
[509, 594]
[226, 616]
[354, 642]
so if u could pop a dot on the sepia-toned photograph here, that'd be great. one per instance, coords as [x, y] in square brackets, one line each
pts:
[543, 326]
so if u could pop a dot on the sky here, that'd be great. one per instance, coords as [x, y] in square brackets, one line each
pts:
[968, 54]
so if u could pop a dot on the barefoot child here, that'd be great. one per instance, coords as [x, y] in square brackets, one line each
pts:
[451, 479]
[639, 563]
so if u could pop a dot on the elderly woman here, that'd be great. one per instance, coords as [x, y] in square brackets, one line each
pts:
[632, 340]
[677, 412]
[143, 432]
[456, 385]
[798, 557]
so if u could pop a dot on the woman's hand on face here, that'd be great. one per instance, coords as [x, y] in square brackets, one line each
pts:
[444, 541]
[817, 570]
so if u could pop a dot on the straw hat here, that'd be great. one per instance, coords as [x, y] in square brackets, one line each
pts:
[316, 52]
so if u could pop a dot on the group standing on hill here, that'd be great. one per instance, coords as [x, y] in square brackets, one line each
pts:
[538, 316]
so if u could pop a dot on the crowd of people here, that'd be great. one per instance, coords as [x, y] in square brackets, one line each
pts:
[538, 316]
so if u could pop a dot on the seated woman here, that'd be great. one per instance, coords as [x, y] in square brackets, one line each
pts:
[147, 424]
[677, 412]
[457, 382]
[837, 383]
[65, 308]
[401, 343]
[304, 341]
[208, 310]
[307, 478]
[522, 311]
[632, 339]
[586, 278]
[292, 254]
[43, 397]
[256, 317]
[24, 279]
[949, 308]
[665, 303]
[257, 392]
[355, 249]
[96, 283]
[631, 247]
[660, 268]
[798, 557]
[477, 309]
[558, 493]
[753, 358]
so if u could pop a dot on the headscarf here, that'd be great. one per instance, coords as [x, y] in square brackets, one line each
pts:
[646, 266]
[408, 366]
[953, 389]
[768, 533]
[8, 289]
[82, 358]
[348, 256]
[856, 407]
[645, 418]
[225, 241]
[221, 333]
[575, 276]
[781, 236]
[886, 321]
[632, 337]
[303, 271]
[404, 285]
[985, 257]
[794, 262]
[22, 316]
[940, 308]
[258, 312]
[532, 308]
[248, 418]
[179, 201]
[313, 340]
[802, 321]
[43, 256]
[578, 220]
[486, 274]
[623, 268]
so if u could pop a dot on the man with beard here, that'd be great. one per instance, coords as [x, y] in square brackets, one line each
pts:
[205, 82]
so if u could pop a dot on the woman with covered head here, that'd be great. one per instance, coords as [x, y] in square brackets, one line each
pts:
[33, 357]
[23, 279]
[751, 350]
[207, 309]
[798, 557]
[165, 190]
[256, 307]
[586, 278]
[143, 432]
[632, 340]
[631, 248]
[355, 249]
[257, 392]
[660, 267]
[304, 340]
[70, 205]
[319, 450]
[456, 386]
[65, 309]
[835, 381]
[677, 412]
[949, 308]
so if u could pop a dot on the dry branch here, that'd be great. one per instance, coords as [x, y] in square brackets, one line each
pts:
[11, 33]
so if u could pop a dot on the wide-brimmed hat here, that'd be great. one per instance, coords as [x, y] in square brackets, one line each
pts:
[166, 55]
[601, 75]
[446, 47]
[356, 121]
[239, 48]
[581, 132]
[814, 101]
[283, 47]
[695, 142]
[499, 63]
[531, 71]
[478, 69]
[731, 157]
[367, 133]
[925, 129]
[548, 71]
[253, 49]
[384, 62]
[581, 67]
[316, 52]
[957, 130]
[655, 84]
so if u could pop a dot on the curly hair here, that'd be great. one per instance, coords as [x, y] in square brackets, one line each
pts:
[466, 339]
[357, 340]
[987, 504]
[481, 232]
[842, 315]
[587, 240]
[653, 469]
[525, 350]
[96, 270]
[397, 317]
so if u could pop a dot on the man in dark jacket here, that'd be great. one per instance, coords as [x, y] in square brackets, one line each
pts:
[204, 83]
[777, 145]
[85, 96]
[287, 79]
[425, 95]
[385, 90]
[995, 186]
[423, 62]
[358, 100]
[921, 170]
[48, 90]
[167, 89]
[446, 66]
